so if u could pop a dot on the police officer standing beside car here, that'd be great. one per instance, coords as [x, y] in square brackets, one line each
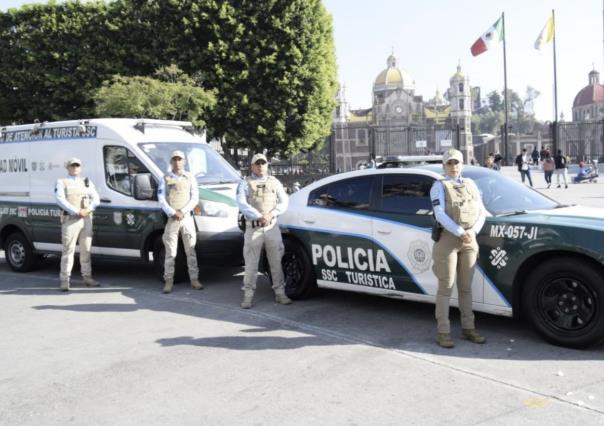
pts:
[78, 199]
[178, 195]
[459, 214]
[261, 199]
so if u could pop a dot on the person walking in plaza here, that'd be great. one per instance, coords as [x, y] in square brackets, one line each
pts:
[78, 198]
[261, 199]
[459, 210]
[561, 168]
[178, 195]
[535, 157]
[523, 161]
[548, 168]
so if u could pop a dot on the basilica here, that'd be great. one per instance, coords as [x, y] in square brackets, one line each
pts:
[401, 122]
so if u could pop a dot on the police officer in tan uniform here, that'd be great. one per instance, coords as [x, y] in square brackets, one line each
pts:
[178, 195]
[459, 210]
[78, 199]
[261, 199]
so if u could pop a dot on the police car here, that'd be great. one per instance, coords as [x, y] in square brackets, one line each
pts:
[369, 231]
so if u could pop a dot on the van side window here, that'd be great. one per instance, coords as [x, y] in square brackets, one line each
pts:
[406, 194]
[120, 166]
[354, 193]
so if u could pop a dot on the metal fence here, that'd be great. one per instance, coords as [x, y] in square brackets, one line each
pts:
[580, 141]
[412, 140]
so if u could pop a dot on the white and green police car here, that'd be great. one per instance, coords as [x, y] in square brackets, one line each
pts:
[125, 159]
[369, 231]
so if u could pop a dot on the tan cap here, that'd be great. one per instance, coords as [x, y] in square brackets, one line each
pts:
[73, 161]
[257, 157]
[178, 154]
[452, 154]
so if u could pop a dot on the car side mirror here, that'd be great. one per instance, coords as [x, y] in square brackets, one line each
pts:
[145, 187]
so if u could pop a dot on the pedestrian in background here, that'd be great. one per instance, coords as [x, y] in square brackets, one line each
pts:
[261, 199]
[459, 210]
[561, 168]
[178, 196]
[78, 199]
[548, 168]
[523, 161]
[535, 157]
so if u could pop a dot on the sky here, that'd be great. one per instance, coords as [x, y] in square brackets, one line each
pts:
[431, 37]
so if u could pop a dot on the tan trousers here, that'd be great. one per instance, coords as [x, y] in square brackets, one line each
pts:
[453, 257]
[254, 240]
[186, 228]
[75, 229]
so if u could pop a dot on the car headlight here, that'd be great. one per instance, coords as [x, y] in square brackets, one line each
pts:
[213, 209]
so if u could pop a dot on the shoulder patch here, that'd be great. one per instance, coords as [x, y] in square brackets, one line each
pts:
[436, 202]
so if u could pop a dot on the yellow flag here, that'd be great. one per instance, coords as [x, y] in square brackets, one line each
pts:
[546, 35]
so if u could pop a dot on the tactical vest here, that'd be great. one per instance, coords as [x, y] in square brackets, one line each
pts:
[462, 203]
[76, 192]
[262, 194]
[178, 191]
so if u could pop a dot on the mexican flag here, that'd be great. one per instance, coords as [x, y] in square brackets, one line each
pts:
[489, 39]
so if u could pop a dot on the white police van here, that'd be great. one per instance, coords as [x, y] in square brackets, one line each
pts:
[125, 159]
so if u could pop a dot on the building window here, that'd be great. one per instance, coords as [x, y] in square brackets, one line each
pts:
[461, 104]
[361, 137]
[460, 87]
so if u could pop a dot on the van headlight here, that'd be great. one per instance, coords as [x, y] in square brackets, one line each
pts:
[212, 209]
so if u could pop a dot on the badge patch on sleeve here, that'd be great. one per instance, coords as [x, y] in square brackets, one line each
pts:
[436, 202]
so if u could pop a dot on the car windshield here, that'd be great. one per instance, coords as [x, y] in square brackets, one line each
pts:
[205, 163]
[502, 195]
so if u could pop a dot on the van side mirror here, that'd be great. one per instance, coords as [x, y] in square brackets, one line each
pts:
[145, 187]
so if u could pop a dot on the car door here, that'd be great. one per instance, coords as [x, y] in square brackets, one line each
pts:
[120, 221]
[403, 225]
[337, 232]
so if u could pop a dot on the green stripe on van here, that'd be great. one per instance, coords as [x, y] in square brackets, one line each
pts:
[207, 194]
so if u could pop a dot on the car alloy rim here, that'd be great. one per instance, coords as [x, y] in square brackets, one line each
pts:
[566, 304]
[292, 267]
[16, 252]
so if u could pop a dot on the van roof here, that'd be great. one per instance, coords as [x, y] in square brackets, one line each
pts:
[85, 128]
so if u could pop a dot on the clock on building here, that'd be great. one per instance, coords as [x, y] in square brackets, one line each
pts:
[398, 109]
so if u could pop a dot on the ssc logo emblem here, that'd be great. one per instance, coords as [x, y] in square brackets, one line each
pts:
[130, 219]
[419, 255]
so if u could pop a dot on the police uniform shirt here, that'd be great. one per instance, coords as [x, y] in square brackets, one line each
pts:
[161, 195]
[69, 208]
[437, 195]
[250, 213]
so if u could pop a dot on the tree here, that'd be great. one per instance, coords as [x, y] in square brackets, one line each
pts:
[270, 63]
[521, 116]
[173, 95]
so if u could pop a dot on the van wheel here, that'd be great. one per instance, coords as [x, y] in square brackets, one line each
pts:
[300, 281]
[180, 264]
[564, 299]
[19, 253]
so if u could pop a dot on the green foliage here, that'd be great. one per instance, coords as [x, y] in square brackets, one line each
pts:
[521, 116]
[173, 95]
[269, 63]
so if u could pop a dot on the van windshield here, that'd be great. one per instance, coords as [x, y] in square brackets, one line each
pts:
[205, 163]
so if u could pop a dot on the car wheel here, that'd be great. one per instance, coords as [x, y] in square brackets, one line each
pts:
[300, 281]
[564, 299]
[19, 253]
[159, 257]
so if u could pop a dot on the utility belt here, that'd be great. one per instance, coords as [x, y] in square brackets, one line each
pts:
[257, 224]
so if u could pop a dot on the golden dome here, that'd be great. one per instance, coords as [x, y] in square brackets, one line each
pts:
[394, 76]
[458, 75]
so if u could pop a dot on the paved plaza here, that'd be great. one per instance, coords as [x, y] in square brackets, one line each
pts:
[127, 354]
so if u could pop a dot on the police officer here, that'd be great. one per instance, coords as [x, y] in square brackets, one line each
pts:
[78, 199]
[178, 195]
[261, 198]
[459, 210]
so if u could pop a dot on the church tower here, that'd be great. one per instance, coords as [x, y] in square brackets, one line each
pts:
[340, 114]
[460, 98]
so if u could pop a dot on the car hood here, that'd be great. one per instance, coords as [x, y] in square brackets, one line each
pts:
[579, 216]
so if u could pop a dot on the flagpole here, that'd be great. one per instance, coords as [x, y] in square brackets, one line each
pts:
[505, 94]
[555, 74]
